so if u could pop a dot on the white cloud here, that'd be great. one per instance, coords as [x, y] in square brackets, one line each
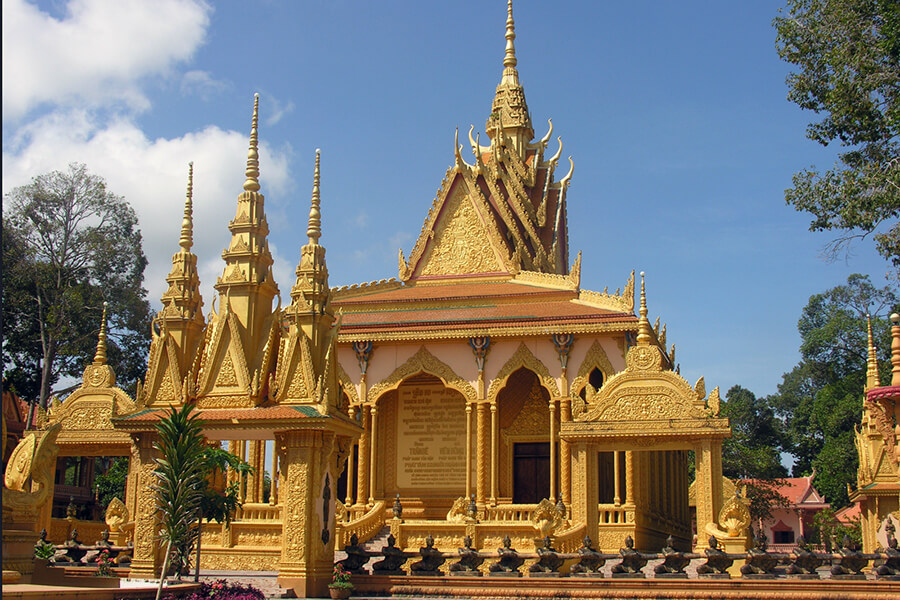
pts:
[97, 53]
[152, 175]
[276, 109]
[202, 84]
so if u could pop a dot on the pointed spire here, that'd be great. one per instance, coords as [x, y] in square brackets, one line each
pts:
[872, 360]
[314, 229]
[251, 184]
[644, 328]
[187, 224]
[895, 349]
[509, 60]
[100, 355]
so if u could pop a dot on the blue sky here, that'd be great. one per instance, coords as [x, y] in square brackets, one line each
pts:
[674, 113]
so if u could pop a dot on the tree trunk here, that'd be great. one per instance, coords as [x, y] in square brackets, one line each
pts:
[165, 568]
[199, 539]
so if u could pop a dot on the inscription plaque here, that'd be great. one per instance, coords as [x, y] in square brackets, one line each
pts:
[431, 438]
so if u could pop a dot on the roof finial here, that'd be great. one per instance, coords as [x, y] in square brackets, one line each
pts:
[644, 329]
[314, 229]
[895, 349]
[100, 355]
[872, 360]
[187, 224]
[510, 59]
[251, 184]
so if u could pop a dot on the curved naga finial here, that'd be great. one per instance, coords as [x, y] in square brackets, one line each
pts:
[546, 138]
[457, 150]
[556, 156]
[568, 178]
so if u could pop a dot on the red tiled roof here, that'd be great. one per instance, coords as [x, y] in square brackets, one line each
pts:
[266, 413]
[795, 489]
[461, 306]
[849, 513]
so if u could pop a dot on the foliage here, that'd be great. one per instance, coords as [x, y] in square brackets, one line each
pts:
[340, 578]
[847, 59]
[820, 399]
[104, 564]
[179, 480]
[44, 549]
[830, 532]
[69, 244]
[221, 590]
[220, 504]
[111, 482]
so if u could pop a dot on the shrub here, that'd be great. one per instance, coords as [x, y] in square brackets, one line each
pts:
[340, 578]
[221, 590]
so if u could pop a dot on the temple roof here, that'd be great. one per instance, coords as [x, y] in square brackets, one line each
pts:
[476, 306]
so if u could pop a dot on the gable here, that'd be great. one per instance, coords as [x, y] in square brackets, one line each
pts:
[461, 242]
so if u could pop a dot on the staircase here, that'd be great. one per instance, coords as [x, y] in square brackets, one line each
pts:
[374, 545]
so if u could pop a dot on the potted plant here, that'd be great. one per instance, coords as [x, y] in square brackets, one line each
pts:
[340, 586]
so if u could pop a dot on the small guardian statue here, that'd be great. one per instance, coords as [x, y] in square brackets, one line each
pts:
[431, 560]
[673, 563]
[717, 562]
[469, 560]
[508, 561]
[393, 559]
[548, 562]
[357, 557]
[590, 561]
[760, 564]
[804, 562]
[632, 561]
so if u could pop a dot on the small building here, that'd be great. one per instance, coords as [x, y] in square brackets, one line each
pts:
[795, 520]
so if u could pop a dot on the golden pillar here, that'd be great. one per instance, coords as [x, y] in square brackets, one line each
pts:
[468, 449]
[252, 486]
[482, 450]
[553, 451]
[373, 463]
[708, 461]
[495, 451]
[565, 451]
[617, 483]
[629, 477]
[307, 542]
[147, 553]
[362, 479]
[348, 499]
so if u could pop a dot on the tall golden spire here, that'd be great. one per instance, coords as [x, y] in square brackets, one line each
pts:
[644, 328]
[314, 229]
[251, 184]
[100, 355]
[187, 224]
[510, 121]
[509, 60]
[895, 349]
[871, 360]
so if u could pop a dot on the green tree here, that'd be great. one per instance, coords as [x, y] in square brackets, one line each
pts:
[111, 482]
[753, 452]
[820, 399]
[847, 59]
[69, 244]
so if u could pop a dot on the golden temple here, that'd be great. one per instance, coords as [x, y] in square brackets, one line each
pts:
[482, 389]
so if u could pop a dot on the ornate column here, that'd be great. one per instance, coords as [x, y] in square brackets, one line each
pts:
[307, 542]
[362, 479]
[480, 345]
[482, 450]
[373, 463]
[495, 451]
[617, 498]
[348, 499]
[553, 436]
[252, 479]
[708, 485]
[629, 477]
[147, 553]
[563, 343]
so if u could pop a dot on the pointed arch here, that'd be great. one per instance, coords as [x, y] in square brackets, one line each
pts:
[523, 357]
[596, 358]
[423, 361]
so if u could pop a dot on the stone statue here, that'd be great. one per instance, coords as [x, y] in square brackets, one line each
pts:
[548, 560]
[590, 561]
[431, 561]
[803, 562]
[103, 542]
[508, 560]
[393, 559]
[632, 561]
[890, 566]
[851, 561]
[469, 560]
[717, 562]
[673, 563]
[397, 509]
[357, 557]
[759, 562]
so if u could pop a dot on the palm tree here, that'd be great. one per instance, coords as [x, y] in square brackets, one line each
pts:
[180, 474]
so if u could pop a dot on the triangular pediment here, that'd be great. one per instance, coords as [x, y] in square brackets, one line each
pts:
[461, 239]
[224, 380]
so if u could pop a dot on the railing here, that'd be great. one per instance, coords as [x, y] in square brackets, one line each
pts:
[571, 539]
[610, 514]
[251, 511]
[508, 512]
[364, 527]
